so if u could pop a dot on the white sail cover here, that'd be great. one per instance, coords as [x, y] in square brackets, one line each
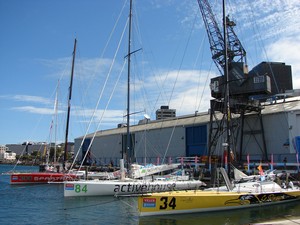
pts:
[138, 171]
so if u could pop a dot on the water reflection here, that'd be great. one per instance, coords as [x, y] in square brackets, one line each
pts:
[40, 204]
[232, 217]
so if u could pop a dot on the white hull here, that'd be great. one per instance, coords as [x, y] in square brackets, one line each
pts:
[113, 187]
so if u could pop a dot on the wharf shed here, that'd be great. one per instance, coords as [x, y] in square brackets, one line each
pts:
[188, 136]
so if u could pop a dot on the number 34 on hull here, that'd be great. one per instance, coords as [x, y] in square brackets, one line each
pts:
[179, 202]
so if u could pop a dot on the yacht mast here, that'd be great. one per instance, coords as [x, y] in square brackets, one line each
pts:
[69, 105]
[226, 97]
[128, 147]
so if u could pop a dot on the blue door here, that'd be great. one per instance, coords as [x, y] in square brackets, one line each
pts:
[85, 146]
[196, 141]
[297, 143]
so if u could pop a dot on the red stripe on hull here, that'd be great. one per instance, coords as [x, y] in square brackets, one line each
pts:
[37, 178]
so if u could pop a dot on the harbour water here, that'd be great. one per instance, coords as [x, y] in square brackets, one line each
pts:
[45, 204]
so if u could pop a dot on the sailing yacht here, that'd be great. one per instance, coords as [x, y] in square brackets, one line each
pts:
[141, 179]
[254, 191]
[48, 173]
[258, 193]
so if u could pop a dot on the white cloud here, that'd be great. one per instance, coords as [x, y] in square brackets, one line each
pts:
[269, 30]
[85, 68]
[29, 98]
[101, 119]
[186, 91]
[37, 100]
[100, 115]
[34, 110]
[287, 50]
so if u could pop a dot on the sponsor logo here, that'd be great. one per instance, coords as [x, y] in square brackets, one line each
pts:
[144, 187]
[259, 199]
[149, 202]
[69, 187]
[14, 178]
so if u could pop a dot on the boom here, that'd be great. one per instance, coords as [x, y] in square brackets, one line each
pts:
[236, 52]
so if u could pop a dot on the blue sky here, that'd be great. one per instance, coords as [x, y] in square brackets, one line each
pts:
[172, 68]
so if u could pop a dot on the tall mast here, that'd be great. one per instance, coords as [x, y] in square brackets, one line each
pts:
[55, 124]
[128, 150]
[69, 104]
[226, 97]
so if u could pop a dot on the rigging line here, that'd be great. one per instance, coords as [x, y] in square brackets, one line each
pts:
[266, 55]
[173, 130]
[161, 83]
[161, 86]
[33, 131]
[147, 100]
[157, 79]
[263, 47]
[181, 62]
[91, 205]
[162, 92]
[135, 68]
[80, 83]
[98, 123]
[252, 134]
[124, 202]
[55, 125]
[169, 142]
[148, 143]
[206, 81]
[104, 50]
[41, 117]
[94, 135]
[194, 66]
[136, 25]
[18, 161]
[260, 38]
[139, 38]
[49, 140]
[174, 127]
[173, 88]
[102, 114]
[106, 45]
[102, 91]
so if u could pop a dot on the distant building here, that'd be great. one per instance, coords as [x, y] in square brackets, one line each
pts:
[26, 147]
[30, 147]
[6, 154]
[164, 113]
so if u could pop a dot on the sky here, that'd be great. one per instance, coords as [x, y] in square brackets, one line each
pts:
[171, 64]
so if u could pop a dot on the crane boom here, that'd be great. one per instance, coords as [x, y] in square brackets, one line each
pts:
[234, 89]
[236, 52]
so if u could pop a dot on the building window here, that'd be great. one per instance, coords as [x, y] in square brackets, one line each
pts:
[259, 79]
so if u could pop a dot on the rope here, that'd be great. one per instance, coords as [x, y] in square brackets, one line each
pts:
[95, 110]
[87, 206]
[125, 202]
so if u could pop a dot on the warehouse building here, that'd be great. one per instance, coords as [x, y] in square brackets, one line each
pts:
[276, 132]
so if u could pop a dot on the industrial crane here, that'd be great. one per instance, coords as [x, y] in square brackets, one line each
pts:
[235, 50]
[241, 86]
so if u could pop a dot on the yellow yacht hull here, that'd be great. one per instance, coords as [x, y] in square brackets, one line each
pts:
[179, 202]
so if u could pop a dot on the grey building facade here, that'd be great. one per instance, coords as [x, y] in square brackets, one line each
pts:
[187, 136]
